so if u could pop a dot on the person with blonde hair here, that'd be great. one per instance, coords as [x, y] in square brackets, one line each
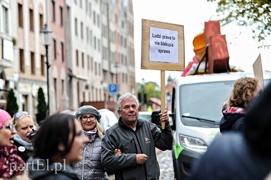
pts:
[90, 166]
[24, 125]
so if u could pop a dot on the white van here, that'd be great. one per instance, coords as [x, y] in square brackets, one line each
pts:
[196, 105]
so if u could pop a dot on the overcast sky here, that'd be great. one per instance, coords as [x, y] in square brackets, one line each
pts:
[192, 15]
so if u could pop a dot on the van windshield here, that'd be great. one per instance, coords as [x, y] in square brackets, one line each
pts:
[201, 102]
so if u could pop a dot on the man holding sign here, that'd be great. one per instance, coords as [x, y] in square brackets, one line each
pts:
[137, 140]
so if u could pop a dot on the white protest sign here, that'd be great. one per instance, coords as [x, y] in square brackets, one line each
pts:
[163, 45]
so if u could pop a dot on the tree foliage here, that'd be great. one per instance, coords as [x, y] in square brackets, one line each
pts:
[150, 89]
[248, 13]
[41, 107]
[12, 105]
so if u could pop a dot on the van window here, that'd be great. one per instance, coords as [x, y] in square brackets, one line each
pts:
[201, 102]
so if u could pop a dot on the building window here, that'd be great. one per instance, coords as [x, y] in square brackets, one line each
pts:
[42, 65]
[82, 30]
[62, 86]
[95, 68]
[87, 34]
[33, 66]
[20, 16]
[77, 58]
[5, 20]
[86, 4]
[98, 20]
[78, 92]
[95, 46]
[31, 20]
[91, 64]
[75, 26]
[54, 48]
[94, 18]
[90, 38]
[122, 24]
[61, 15]
[21, 56]
[41, 22]
[88, 63]
[83, 60]
[62, 52]
[53, 11]
[55, 87]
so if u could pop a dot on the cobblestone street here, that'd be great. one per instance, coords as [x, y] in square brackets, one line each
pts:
[166, 165]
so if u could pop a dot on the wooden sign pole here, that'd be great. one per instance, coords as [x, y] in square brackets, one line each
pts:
[163, 95]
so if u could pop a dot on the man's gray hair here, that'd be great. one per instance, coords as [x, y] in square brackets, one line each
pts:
[125, 96]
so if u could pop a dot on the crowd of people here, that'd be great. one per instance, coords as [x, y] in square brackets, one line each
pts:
[75, 146]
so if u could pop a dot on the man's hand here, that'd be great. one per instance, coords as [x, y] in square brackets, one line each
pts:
[164, 117]
[117, 152]
[141, 158]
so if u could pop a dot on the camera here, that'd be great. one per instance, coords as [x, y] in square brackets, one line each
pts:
[31, 135]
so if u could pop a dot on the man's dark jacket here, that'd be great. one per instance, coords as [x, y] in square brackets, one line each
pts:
[143, 140]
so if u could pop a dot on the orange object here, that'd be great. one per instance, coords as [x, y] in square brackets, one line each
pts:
[199, 45]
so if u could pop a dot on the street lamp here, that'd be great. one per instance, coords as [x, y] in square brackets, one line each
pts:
[46, 41]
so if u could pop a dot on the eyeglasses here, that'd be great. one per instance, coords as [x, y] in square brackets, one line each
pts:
[19, 114]
[10, 127]
[91, 117]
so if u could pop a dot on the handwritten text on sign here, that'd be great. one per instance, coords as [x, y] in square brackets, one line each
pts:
[163, 45]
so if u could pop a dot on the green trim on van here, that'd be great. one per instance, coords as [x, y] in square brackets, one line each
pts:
[177, 150]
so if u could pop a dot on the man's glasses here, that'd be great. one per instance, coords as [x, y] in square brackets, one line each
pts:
[10, 127]
[19, 114]
[91, 117]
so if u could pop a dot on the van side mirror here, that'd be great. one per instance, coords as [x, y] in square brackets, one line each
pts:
[155, 119]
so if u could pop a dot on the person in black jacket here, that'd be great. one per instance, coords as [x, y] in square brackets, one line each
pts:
[137, 140]
[24, 125]
[245, 89]
[241, 155]
[57, 146]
